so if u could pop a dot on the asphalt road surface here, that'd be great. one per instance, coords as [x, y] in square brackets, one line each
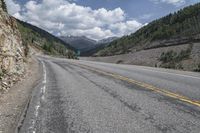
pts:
[90, 97]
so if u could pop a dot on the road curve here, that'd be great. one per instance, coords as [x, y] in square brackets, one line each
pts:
[89, 97]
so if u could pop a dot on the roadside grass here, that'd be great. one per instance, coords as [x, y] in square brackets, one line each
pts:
[198, 68]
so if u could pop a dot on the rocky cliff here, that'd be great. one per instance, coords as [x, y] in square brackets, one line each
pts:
[11, 50]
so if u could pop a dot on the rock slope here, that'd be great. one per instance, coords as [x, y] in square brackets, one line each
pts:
[11, 51]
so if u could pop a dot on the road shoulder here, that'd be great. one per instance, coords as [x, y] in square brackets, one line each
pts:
[14, 101]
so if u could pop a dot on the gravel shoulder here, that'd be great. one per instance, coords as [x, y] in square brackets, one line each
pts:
[13, 102]
[151, 57]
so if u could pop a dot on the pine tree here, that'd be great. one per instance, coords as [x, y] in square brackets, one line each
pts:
[4, 5]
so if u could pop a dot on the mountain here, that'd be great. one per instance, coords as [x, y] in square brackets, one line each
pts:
[173, 29]
[172, 41]
[107, 40]
[84, 45]
[80, 43]
[100, 45]
[41, 39]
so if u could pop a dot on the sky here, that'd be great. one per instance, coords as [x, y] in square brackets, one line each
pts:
[96, 19]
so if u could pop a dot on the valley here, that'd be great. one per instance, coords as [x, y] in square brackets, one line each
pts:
[83, 67]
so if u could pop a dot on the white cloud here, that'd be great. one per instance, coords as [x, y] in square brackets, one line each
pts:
[13, 8]
[123, 28]
[65, 18]
[173, 2]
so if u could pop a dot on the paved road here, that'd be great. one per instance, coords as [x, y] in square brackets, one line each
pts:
[90, 97]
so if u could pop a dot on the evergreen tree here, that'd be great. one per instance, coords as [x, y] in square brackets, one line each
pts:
[184, 23]
[4, 5]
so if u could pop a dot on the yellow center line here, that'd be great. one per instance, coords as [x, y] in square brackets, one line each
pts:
[144, 85]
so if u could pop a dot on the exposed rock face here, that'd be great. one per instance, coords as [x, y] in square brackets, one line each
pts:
[11, 50]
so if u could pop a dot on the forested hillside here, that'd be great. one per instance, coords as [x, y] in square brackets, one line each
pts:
[179, 27]
[32, 35]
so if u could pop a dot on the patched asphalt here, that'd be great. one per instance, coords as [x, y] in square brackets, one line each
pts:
[79, 100]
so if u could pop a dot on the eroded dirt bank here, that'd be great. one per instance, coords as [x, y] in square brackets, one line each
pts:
[12, 102]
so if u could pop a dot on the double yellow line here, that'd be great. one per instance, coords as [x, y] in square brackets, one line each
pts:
[142, 84]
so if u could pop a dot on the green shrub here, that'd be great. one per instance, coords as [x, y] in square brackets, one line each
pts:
[184, 54]
[119, 62]
[71, 55]
[2, 73]
[198, 68]
[172, 56]
[168, 56]
[169, 65]
[173, 59]
[4, 7]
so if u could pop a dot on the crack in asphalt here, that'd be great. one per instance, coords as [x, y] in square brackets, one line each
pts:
[133, 107]
[61, 120]
[114, 94]
[78, 99]
[186, 108]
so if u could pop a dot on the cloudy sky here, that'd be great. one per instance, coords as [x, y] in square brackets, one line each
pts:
[96, 19]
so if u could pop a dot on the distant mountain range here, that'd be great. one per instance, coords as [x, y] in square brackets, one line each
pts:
[84, 44]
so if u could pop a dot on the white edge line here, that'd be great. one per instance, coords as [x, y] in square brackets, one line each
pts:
[43, 89]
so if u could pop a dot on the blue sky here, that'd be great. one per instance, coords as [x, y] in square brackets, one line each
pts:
[143, 10]
[95, 19]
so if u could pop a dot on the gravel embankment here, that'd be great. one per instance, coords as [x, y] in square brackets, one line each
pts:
[151, 57]
[12, 103]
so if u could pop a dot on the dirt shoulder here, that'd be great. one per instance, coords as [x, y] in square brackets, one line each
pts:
[13, 102]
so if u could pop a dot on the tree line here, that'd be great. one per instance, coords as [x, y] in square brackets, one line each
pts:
[183, 23]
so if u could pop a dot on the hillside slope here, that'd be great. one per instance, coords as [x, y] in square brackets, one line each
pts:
[152, 57]
[107, 40]
[39, 38]
[12, 52]
[174, 29]
[170, 42]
